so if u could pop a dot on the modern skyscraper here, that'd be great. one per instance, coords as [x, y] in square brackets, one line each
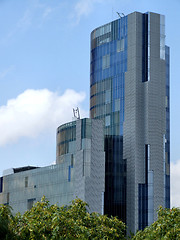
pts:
[129, 90]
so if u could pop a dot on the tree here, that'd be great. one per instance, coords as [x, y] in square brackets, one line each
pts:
[5, 218]
[45, 221]
[166, 227]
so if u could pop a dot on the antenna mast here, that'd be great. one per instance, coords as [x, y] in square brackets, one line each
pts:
[120, 15]
[76, 113]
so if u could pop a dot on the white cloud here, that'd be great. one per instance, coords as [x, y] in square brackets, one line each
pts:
[6, 71]
[175, 184]
[25, 21]
[83, 8]
[46, 12]
[35, 111]
[23, 24]
[35, 14]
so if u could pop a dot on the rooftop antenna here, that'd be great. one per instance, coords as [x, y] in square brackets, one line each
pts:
[120, 15]
[76, 113]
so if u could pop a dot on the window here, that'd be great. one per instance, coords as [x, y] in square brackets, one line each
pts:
[8, 198]
[108, 96]
[162, 37]
[26, 182]
[102, 30]
[85, 128]
[107, 108]
[83, 165]
[117, 105]
[167, 102]
[106, 61]
[120, 45]
[107, 120]
[69, 173]
[162, 53]
[72, 160]
[30, 203]
[116, 117]
[1, 184]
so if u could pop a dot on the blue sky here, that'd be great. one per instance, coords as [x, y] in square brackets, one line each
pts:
[44, 72]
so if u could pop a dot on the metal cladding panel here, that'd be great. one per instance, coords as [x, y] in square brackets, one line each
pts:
[79, 179]
[95, 183]
[144, 121]
[51, 181]
[78, 135]
[89, 169]
[79, 174]
[156, 112]
[79, 183]
[133, 143]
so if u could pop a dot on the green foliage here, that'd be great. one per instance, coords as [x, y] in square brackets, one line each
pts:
[5, 218]
[45, 221]
[166, 227]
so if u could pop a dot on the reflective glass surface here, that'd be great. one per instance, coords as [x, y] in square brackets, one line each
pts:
[162, 37]
[108, 67]
[65, 135]
[167, 136]
[143, 205]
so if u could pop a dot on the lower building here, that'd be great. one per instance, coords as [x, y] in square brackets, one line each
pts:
[79, 171]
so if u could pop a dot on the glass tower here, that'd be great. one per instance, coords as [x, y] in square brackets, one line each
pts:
[108, 67]
[129, 91]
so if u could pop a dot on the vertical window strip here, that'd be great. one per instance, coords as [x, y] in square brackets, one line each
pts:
[26, 182]
[1, 184]
[69, 174]
[149, 49]
[162, 37]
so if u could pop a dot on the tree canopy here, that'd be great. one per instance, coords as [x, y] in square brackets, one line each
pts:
[167, 226]
[45, 221]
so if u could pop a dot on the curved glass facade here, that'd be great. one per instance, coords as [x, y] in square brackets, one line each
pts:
[66, 134]
[108, 67]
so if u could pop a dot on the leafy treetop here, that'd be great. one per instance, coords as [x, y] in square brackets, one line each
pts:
[45, 221]
[166, 227]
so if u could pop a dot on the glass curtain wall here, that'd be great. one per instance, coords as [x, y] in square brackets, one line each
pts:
[108, 67]
[66, 133]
